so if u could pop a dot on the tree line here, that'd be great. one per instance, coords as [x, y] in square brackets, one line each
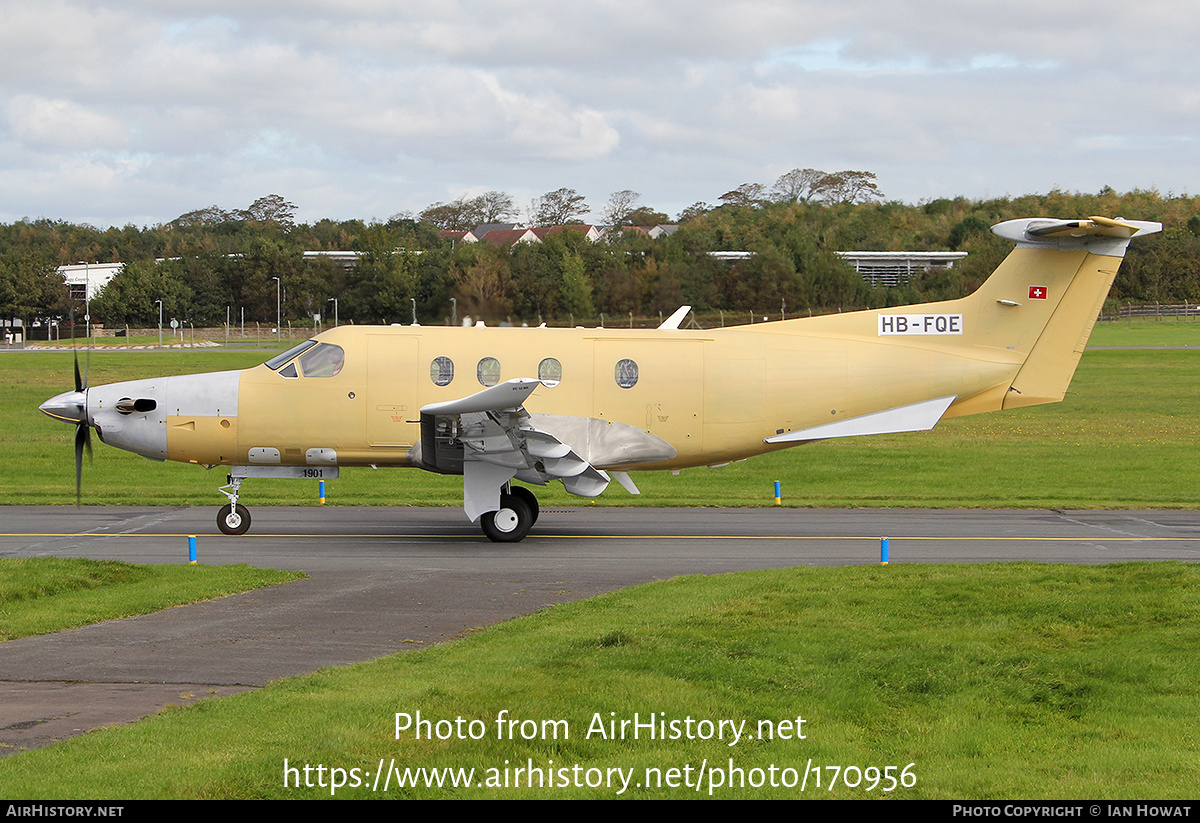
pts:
[219, 261]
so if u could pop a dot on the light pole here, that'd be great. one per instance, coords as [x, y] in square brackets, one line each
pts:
[277, 314]
[454, 311]
[335, 317]
[159, 302]
[87, 298]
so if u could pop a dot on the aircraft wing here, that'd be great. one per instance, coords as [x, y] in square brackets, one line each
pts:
[491, 439]
[509, 395]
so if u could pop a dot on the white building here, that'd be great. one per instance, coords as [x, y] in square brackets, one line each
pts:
[891, 268]
[85, 280]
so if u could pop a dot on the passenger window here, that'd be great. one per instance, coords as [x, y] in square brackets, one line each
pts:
[441, 371]
[550, 372]
[626, 374]
[488, 371]
[325, 360]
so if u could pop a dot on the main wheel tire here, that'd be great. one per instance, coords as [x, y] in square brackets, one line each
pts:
[233, 521]
[510, 524]
[530, 501]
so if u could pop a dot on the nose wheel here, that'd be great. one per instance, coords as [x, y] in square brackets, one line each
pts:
[233, 519]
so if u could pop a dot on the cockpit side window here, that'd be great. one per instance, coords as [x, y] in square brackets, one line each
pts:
[324, 360]
[278, 360]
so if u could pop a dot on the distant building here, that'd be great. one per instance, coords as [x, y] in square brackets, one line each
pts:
[85, 280]
[483, 228]
[879, 268]
[510, 237]
[891, 268]
[590, 232]
[654, 232]
[347, 259]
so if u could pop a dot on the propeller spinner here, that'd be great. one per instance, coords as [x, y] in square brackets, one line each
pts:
[71, 407]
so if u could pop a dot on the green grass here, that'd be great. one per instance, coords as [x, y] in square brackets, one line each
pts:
[1123, 438]
[82, 344]
[39, 595]
[995, 681]
[1168, 331]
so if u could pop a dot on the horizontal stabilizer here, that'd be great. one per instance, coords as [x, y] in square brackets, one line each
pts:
[914, 417]
[1101, 235]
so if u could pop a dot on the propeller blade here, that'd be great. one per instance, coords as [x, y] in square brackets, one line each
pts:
[83, 432]
[81, 437]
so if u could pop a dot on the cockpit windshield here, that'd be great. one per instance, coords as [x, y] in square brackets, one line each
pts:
[278, 360]
[311, 358]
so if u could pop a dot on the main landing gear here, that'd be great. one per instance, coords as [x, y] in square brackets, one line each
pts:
[516, 516]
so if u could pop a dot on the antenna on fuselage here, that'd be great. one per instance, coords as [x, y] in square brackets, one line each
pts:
[675, 319]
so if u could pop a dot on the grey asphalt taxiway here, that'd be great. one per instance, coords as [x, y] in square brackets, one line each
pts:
[383, 580]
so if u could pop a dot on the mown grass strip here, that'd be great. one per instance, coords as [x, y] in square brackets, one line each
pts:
[1012, 680]
[39, 595]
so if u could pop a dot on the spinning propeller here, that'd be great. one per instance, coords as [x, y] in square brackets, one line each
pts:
[83, 432]
[71, 407]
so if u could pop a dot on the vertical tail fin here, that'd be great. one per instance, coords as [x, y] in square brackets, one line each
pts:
[1044, 298]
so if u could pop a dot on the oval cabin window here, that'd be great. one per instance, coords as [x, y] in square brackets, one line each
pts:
[626, 374]
[441, 371]
[550, 372]
[488, 371]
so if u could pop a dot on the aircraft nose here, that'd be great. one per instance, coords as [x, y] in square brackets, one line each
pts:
[69, 407]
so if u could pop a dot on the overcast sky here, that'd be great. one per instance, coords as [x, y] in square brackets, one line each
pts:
[139, 111]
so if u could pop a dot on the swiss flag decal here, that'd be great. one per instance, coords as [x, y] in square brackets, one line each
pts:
[1037, 292]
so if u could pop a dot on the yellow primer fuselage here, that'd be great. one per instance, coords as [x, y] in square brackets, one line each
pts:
[715, 395]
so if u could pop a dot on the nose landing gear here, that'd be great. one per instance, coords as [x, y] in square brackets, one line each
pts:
[233, 518]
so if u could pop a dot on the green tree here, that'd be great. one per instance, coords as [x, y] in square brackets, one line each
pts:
[130, 298]
[576, 288]
[558, 208]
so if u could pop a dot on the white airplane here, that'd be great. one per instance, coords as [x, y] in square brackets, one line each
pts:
[582, 406]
